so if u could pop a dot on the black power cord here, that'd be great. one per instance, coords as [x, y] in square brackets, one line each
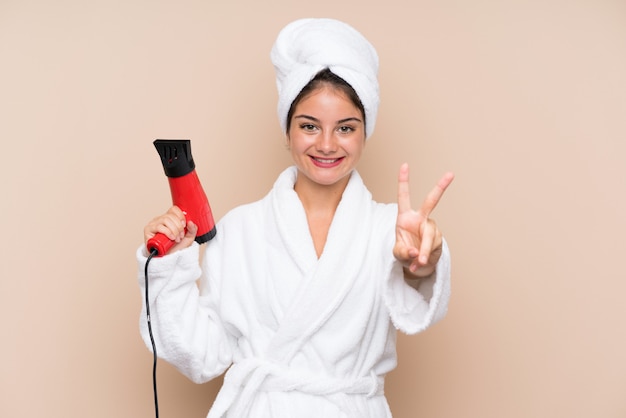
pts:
[153, 252]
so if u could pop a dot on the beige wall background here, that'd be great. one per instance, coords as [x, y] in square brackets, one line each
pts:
[524, 100]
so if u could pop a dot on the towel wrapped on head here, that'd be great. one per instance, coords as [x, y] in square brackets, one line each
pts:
[306, 46]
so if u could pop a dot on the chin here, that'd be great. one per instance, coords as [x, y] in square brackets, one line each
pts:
[331, 180]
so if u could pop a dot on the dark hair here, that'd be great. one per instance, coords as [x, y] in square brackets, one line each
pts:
[326, 77]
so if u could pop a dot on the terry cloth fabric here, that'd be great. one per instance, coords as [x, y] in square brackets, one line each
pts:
[306, 46]
[300, 336]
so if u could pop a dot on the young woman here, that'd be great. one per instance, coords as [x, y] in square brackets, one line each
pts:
[302, 292]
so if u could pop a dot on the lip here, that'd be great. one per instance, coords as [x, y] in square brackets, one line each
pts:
[326, 162]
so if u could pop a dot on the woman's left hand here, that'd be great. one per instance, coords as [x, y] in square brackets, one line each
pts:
[418, 240]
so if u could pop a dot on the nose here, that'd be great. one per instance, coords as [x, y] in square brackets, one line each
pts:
[326, 142]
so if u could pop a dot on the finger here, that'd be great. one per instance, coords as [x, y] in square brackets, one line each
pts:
[172, 227]
[172, 224]
[406, 255]
[404, 200]
[428, 238]
[410, 260]
[158, 226]
[432, 199]
[190, 235]
[192, 229]
[179, 213]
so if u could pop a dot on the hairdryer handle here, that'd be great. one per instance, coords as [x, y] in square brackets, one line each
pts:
[159, 243]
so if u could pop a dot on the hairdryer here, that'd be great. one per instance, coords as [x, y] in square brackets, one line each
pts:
[186, 190]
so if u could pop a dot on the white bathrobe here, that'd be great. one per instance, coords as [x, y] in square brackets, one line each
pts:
[303, 337]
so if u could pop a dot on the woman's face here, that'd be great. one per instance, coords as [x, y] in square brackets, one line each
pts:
[326, 137]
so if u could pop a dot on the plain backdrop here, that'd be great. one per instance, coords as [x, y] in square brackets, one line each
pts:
[524, 100]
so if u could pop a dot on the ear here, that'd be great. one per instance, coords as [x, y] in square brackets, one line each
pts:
[287, 142]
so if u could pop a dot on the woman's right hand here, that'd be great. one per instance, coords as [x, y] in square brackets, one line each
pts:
[174, 225]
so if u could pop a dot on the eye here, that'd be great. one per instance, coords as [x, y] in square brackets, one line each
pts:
[308, 127]
[345, 129]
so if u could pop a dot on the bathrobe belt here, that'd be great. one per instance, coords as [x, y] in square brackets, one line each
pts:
[246, 378]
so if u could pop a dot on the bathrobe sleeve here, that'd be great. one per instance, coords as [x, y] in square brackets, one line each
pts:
[413, 307]
[187, 331]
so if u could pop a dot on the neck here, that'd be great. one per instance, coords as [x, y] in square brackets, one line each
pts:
[320, 203]
[319, 198]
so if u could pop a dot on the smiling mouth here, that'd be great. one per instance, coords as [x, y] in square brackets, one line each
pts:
[326, 160]
[326, 163]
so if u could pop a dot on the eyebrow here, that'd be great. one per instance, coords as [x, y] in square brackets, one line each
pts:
[314, 119]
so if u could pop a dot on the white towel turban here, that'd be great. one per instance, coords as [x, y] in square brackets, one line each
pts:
[306, 46]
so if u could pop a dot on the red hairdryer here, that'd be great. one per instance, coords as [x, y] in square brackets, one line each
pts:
[187, 192]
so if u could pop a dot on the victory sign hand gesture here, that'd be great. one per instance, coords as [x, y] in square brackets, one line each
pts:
[418, 240]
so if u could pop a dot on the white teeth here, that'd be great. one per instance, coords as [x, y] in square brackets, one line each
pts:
[326, 161]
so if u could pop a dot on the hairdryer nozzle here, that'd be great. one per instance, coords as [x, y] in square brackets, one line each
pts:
[175, 156]
[186, 190]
